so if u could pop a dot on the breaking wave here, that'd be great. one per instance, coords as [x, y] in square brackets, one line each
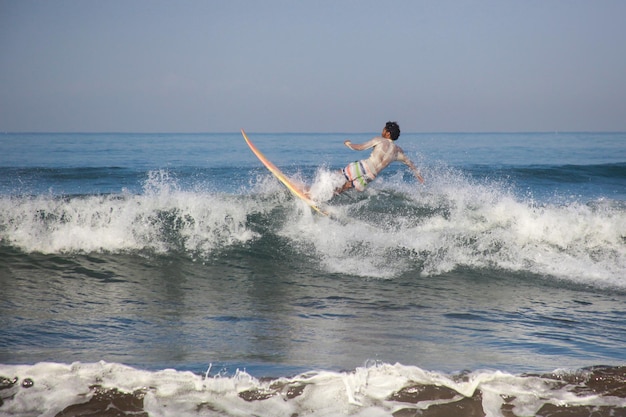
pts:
[392, 229]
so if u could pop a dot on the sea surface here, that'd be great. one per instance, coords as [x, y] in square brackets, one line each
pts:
[173, 275]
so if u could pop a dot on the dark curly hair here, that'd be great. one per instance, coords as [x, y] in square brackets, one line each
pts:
[394, 129]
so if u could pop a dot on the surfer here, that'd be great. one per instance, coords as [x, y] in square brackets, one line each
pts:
[358, 174]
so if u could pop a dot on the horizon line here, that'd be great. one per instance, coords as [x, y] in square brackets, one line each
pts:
[112, 132]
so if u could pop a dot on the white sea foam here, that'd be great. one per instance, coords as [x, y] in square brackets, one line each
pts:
[201, 221]
[474, 225]
[325, 184]
[366, 391]
[393, 228]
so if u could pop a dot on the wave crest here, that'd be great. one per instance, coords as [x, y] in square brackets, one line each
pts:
[393, 228]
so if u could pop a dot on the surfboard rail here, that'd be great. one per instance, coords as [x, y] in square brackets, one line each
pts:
[295, 189]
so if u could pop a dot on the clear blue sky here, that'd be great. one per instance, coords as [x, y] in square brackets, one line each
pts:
[312, 66]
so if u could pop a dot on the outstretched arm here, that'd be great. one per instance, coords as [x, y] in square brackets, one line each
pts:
[402, 157]
[361, 146]
[416, 172]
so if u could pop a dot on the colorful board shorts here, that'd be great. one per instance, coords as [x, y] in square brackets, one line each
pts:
[358, 175]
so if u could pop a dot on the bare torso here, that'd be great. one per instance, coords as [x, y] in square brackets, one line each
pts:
[385, 152]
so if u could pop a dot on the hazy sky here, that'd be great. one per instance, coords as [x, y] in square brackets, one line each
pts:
[312, 66]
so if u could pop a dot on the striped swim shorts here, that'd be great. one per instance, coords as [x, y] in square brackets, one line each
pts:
[357, 174]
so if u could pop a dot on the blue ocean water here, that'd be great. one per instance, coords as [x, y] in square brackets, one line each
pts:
[122, 255]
